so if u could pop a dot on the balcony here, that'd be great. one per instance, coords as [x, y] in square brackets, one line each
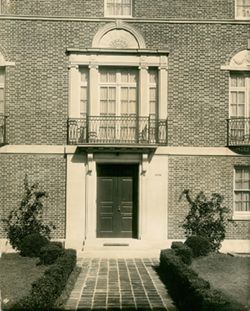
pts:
[113, 130]
[239, 133]
[2, 129]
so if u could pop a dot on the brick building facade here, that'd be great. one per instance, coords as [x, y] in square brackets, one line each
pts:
[116, 107]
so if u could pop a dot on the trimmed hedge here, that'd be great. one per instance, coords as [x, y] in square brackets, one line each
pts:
[49, 253]
[31, 244]
[183, 251]
[49, 287]
[189, 291]
[199, 245]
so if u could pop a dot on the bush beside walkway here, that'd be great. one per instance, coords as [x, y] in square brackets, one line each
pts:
[189, 291]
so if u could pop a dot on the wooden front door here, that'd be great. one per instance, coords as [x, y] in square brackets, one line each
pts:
[117, 188]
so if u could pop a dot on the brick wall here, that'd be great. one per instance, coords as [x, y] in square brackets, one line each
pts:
[37, 87]
[49, 171]
[166, 9]
[207, 174]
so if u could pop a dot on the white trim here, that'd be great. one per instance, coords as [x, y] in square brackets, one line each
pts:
[241, 216]
[69, 149]
[133, 20]
[33, 149]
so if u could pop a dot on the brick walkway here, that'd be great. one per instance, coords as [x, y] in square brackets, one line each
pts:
[119, 284]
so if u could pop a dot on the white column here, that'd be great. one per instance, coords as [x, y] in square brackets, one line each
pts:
[75, 204]
[91, 181]
[143, 91]
[93, 90]
[163, 88]
[143, 190]
[74, 91]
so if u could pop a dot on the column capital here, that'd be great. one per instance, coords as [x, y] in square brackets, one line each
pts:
[90, 162]
[93, 66]
[73, 66]
[144, 166]
[163, 67]
[143, 66]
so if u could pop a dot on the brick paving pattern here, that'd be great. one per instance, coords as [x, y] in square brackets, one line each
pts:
[119, 284]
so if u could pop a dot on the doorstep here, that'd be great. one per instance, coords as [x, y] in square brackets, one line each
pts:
[126, 248]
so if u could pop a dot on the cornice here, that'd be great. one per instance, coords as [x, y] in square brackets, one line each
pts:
[130, 20]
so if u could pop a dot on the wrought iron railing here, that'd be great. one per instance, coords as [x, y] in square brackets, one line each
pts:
[238, 132]
[2, 129]
[117, 130]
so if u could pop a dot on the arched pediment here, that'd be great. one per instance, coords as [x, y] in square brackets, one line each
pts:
[238, 61]
[241, 59]
[118, 36]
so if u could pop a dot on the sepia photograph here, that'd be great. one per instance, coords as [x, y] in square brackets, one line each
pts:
[125, 155]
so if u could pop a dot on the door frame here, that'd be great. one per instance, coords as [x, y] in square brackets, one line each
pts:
[135, 211]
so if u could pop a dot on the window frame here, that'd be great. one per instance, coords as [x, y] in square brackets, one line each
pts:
[106, 10]
[118, 85]
[239, 215]
[245, 89]
[238, 16]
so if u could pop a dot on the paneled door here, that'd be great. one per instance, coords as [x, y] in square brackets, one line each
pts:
[117, 201]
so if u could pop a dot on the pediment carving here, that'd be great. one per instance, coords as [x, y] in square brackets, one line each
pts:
[241, 59]
[118, 35]
[118, 39]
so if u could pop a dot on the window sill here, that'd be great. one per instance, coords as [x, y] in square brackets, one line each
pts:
[241, 216]
[118, 16]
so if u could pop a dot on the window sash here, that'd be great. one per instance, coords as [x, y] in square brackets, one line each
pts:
[240, 96]
[118, 91]
[243, 9]
[118, 7]
[242, 190]
[84, 81]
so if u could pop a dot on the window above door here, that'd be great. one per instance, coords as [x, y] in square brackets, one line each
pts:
[118, 97]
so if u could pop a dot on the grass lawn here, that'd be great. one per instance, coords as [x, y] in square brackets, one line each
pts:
[229, 274]
[17, 273]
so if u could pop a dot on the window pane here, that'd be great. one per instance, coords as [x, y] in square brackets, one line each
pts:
[242, 182]
[233, 81]
[132, 100]
[1, 75]
[152, 76]
[83, 100]
[84, 75]
[241, 81]
[241, 98]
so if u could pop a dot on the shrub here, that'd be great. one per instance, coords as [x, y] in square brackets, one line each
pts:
[31, 244]
[49, 253]
[48, 288]
[199, 245]
[27, 219]
[189, 291]
[207, 218]
[183, 251]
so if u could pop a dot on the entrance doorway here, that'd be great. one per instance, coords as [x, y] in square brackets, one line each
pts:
[117, 201]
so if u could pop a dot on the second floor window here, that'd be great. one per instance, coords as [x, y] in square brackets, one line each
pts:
[118, 91]
[242, 9]
[240, 95]
[118, 8]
